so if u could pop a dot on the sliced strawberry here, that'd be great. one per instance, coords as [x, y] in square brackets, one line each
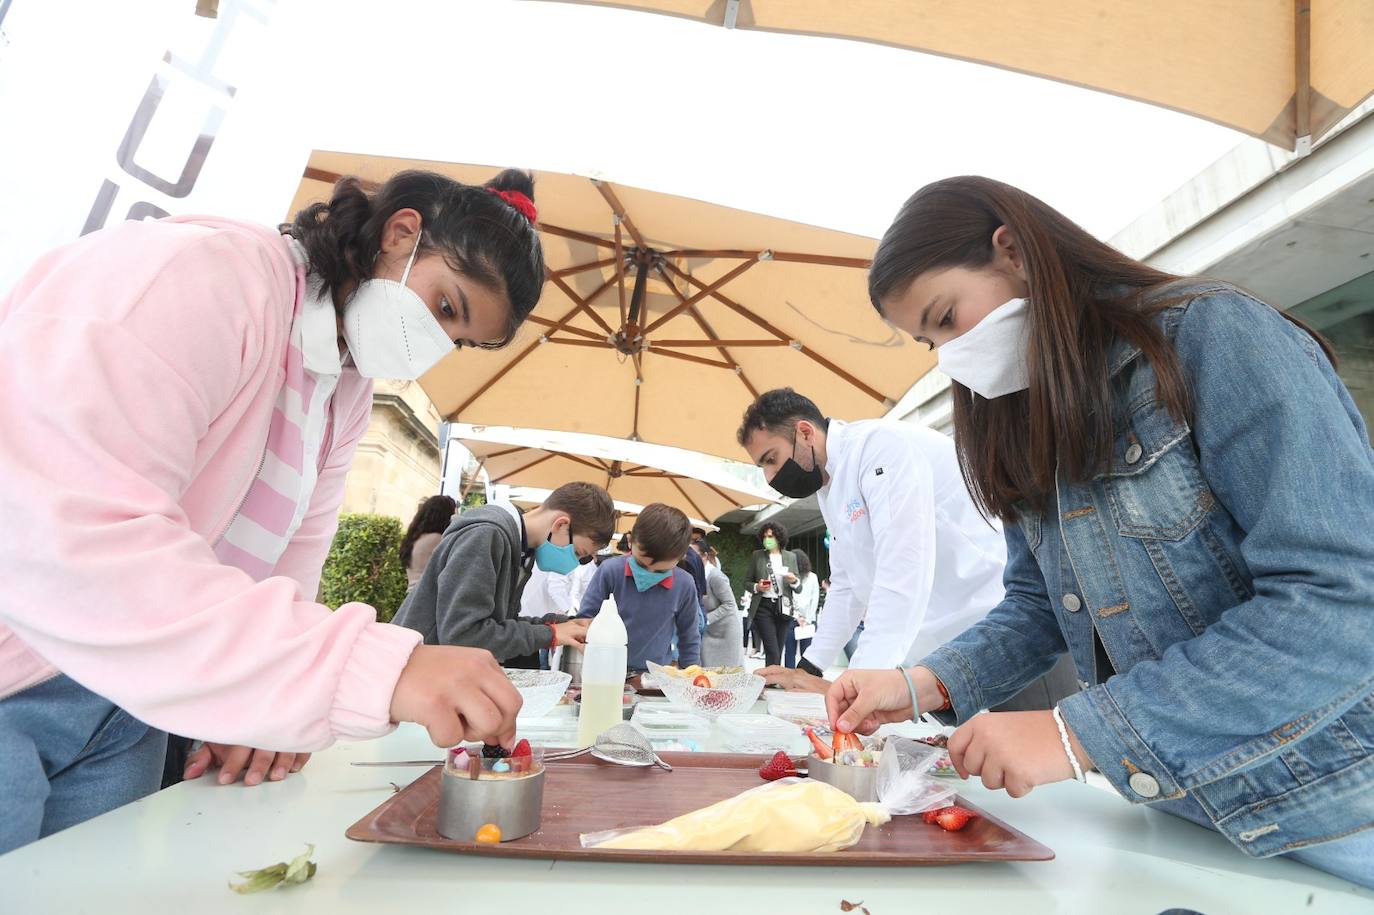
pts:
[822, 751]
[780, 766]
[702, 680]
[954, 819]
[929, 816]
[522, 748]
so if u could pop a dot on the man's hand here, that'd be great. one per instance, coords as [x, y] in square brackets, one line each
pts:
[794, 680]
[262, 764]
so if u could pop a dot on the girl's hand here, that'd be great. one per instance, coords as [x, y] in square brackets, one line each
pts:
[1013, 750]
[863, 700]
[458, 694]
[262, 764]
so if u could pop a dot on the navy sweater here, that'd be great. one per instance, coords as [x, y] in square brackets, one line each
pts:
[650, 617]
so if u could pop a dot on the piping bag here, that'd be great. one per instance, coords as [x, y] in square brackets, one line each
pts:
[793, 814]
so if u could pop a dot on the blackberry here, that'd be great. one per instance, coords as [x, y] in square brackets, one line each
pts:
[494, 751]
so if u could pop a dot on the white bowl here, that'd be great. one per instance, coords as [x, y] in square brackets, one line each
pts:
[733, 694]
[541, 689]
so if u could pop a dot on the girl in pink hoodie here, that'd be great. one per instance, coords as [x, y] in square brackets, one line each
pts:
[179, 403]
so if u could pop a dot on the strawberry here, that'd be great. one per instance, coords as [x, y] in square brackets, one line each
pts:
[780, 766]
[702, 680]
[953, 819]
[522, 748]
[822, 751]
[929, 816]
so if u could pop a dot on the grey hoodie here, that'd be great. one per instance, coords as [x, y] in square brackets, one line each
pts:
[469, 594]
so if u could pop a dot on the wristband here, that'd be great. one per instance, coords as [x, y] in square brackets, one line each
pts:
[911, 687]
[553, 632]
[1068, 747]
[945, 704]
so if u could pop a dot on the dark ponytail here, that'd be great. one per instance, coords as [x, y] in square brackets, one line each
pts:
[477, 232]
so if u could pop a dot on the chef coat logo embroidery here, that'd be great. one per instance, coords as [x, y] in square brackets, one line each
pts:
[856, 510]
[878, 472]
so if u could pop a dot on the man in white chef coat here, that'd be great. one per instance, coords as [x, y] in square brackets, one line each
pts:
[906, 541]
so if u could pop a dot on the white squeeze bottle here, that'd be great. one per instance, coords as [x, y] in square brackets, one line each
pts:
[603, 675]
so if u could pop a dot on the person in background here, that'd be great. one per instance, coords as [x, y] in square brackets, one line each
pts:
[1186, 486]
[206, 382]
[722, 643]
[425, 531]
[774, 582]
[804, 607]
[547, 596]
[907, 542]
[656, 599]
[470, 593]
[622, 546]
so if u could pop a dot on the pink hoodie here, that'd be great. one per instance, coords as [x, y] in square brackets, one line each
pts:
[139, 367]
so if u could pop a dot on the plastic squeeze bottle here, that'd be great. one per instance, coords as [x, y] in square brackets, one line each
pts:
[603, 675]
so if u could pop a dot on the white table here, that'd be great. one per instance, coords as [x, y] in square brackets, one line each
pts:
[174, 853]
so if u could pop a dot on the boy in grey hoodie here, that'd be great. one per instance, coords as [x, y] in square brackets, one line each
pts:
[469, 593]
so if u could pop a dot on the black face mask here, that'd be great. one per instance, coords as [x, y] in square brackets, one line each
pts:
[794, 482]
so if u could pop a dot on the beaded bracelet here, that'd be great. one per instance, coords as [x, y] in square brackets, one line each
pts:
[915, 707]
[1068, 747]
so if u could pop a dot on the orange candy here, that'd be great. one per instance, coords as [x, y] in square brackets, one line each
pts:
[490, 834]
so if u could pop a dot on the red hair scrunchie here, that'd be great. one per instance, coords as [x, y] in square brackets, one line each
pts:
[518, 200]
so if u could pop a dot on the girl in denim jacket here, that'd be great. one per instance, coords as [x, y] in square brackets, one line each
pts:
[1186, 486]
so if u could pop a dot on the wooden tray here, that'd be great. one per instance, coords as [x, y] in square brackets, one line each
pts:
[576, 801]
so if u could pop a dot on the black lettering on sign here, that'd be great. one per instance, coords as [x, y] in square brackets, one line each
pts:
[179, 69]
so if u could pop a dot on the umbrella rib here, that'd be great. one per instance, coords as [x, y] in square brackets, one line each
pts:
[690, 501]
[614, 203]
[567, 328]
[574, 235]
[701, 360]
[693, 299]
[497, 454]
[718, 343]
[579, 459]
[583, 268]
[806, 351]
[1302, 95]
[710, 332]
[582, 304]
[472, 481]
[824, 260]
[506, 476]
[595, 344]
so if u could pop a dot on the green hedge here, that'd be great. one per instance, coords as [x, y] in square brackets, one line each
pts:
[364, 564]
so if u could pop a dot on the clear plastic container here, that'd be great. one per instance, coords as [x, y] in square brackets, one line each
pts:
[660, 721]
[756, 733]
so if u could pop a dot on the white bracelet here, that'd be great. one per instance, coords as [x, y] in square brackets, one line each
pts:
[1068, 747]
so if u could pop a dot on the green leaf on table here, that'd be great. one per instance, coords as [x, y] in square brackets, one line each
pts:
[299, 870]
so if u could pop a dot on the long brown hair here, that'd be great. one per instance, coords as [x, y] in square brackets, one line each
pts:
[1084, 296]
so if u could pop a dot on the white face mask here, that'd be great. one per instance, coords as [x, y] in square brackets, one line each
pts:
[390, 331]
[990, 358]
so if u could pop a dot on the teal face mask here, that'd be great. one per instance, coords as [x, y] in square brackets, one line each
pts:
[644, 579]
[559, 560]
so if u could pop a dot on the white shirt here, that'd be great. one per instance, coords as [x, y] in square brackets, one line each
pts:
[806, 601]
[545, 593]
[906, 542]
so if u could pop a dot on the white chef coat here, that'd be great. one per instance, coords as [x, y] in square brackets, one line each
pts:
[546, 592]
[906, 542]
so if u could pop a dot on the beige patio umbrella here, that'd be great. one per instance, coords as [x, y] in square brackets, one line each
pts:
[632, 472]
[664, 317]
[626, 513]
[1282, 70]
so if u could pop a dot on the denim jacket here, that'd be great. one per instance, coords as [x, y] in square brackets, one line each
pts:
[1227, 567]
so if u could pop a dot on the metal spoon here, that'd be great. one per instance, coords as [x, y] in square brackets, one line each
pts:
[625, 746]
[548, 757]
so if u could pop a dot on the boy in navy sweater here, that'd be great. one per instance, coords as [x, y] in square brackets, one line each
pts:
[655, 598]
